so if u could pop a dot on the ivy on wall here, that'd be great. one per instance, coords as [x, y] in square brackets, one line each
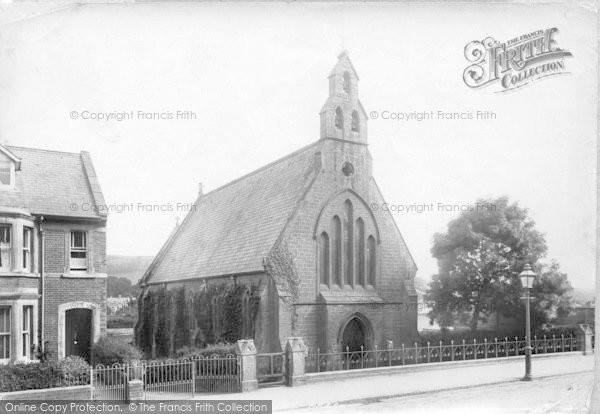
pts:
[280, 266]
[170, 319]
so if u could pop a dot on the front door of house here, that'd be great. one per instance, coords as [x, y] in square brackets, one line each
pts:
[78, 333]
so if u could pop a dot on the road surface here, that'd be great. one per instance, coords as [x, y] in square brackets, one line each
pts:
[563, 394]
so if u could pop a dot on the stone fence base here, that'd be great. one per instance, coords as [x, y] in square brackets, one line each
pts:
[80, 392]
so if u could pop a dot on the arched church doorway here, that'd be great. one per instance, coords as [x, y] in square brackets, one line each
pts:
[354, 336]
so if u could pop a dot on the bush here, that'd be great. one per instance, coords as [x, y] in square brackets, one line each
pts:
[108, 351]
[74, 369]
[221, 349]
[434, 338]
[32, 376]
[557, 332]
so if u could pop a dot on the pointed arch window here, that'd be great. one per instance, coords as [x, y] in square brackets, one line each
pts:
[347, 85]
[360, 252]
[336, 253]
[339, 118]
[355, 125]
[324, 258]
[371, 260]
[348, 244]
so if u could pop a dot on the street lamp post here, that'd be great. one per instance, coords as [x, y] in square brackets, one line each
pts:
[527, 277]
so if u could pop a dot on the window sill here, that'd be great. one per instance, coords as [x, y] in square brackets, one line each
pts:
[84, 275]
[18, 274]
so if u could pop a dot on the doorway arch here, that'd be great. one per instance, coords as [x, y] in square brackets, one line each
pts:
[355, 332]
[94, 329]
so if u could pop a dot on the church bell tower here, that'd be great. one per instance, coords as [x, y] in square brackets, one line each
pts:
[343, 116]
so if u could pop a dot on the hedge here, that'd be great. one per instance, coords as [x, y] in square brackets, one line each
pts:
[480, 336]
[110, 350]
[49, 374]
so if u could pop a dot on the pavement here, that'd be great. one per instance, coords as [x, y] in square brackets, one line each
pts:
[443, 377]
[566, 394]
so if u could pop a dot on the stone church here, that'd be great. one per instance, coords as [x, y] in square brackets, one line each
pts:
[327, 266]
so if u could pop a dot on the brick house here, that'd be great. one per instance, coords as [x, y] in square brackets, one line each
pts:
[330, 268]
[52, 254]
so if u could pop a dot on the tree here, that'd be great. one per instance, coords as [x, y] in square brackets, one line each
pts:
[120, 286]
[479, 260]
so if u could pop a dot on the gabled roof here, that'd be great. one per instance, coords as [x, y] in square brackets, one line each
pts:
[12, 156]
[231, 229]
[343, 57]
[53, 183]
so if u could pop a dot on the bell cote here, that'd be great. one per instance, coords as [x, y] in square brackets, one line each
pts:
[343, 116]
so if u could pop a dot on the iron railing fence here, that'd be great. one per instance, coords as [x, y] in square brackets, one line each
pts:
[109, 382]
[270, 368]
[373, 358]
[165, 379]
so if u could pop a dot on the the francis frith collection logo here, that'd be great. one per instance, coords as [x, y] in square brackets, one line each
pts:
[514, 63]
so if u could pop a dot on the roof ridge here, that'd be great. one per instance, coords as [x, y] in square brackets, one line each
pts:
[44, 150]
[264, 167]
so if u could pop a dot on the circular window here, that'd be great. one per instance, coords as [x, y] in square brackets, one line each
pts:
[348, 169]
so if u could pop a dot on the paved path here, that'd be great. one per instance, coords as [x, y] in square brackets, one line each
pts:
[411, 383]
[551, 395]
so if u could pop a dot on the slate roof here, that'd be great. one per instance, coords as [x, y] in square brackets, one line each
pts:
[232, 228]
[50, 183]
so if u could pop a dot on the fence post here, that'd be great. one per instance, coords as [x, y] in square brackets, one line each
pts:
[193, 367]
[464, 350]
[376, 356]
[452, 350]
[92, 381]
[416, 353]
[347, 357]
[441, 352]
[390, 346]
[474, 348]
[427, 351]
[402, 354]
[135, 386]
[496, 346]
[319, 359]
[485, 348]
[506, 346]
[585, 337]
[246, 353]
[295, 352]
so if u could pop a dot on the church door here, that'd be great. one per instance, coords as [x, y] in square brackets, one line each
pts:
[354, 336]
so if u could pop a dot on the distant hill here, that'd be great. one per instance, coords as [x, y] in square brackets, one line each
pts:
[129, 267]
[583, 296]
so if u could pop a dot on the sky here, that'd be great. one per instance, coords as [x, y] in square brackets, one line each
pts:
[255, 77]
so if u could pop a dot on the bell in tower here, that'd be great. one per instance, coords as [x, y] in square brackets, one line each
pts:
[343, 116]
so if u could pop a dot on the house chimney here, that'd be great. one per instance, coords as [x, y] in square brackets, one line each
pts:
[200, 192]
